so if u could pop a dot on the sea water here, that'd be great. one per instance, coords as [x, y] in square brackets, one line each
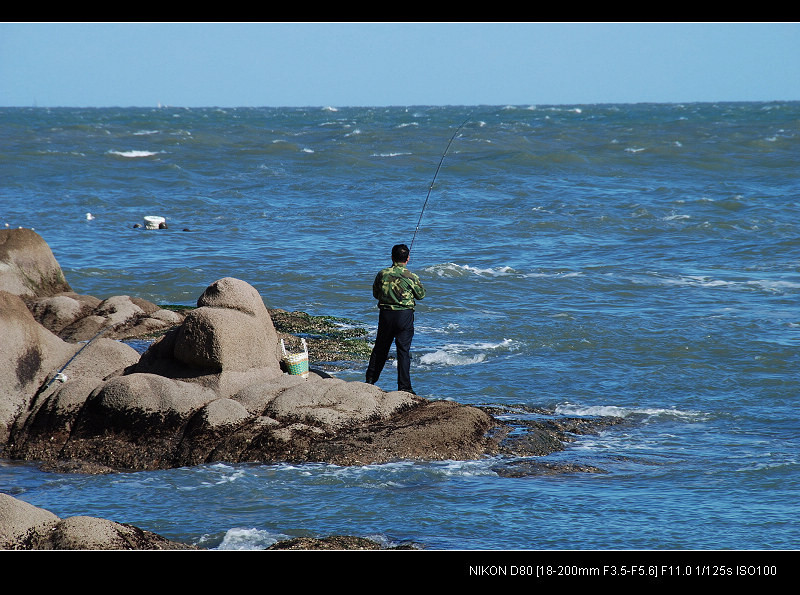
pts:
[640, 261]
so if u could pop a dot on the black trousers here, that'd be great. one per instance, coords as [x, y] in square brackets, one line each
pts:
[397, 326]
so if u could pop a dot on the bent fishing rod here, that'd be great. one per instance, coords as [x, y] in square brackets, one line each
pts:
[436, 173]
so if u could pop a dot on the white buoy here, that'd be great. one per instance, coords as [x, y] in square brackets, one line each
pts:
[89, 216]
[153, 222]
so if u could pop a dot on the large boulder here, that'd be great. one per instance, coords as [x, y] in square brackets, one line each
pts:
[34, 362]
[227, 343]
[27, 527]
[28, 353]
[231, 329]
[134, 422]
[27, 265]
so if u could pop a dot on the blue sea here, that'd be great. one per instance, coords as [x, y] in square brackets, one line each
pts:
[640, 261]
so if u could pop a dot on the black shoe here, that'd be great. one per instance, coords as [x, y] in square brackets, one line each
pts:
[370, 379]
[407, 390]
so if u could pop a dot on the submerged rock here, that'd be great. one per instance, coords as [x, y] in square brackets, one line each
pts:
[335, 542]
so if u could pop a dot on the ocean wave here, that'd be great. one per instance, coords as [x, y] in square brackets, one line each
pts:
[619, 411]
[765, 285]
[249, 539]
[52, 152]
[464, 354]
[448, 358]
[451, 269]
[134, 154]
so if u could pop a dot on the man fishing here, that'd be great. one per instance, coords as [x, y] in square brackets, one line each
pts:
[396, 289]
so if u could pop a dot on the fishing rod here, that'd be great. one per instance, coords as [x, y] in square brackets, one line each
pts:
[436, 173]
[60, 374]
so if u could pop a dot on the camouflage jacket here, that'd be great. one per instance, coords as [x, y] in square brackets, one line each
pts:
[396, 288]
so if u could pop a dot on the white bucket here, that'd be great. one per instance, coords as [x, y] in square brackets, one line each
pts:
[152, 222]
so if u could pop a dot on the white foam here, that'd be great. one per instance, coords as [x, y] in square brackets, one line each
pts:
[617, 411]
[133, 154]
[249, 539]
[446, 358]
[464, 354]
[453, 269]
[709, 282]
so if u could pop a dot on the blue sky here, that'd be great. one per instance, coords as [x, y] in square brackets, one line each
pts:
[360, 64]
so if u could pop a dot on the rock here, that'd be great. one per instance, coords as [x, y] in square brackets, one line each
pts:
[528, 468]
[60, 311]
[30, 356]
[427, 431]
[334, 542]
[335, 403]
[17, 518]
[231, 329]
[28, 353]
[117, 317]
[27, 265]
[255, 397]
[134, 422]
[26, 527]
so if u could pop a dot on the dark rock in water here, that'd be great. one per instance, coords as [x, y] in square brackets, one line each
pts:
[334, 542]
[527, 468]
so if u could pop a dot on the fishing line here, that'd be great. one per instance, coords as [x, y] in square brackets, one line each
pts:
[436, 173]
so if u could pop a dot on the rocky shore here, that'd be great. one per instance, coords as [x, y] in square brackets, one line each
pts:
[211, 387]
[27, 527]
